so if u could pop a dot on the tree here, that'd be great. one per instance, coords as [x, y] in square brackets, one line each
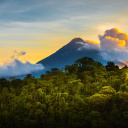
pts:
[29, 76]
[72, 69]
[125, 67]
[111, 66]
[84, 61]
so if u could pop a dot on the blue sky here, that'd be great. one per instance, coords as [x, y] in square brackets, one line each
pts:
[40, 27]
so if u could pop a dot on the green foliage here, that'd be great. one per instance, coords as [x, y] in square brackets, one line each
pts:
[87, 94]
[107, 90]
[111, 66]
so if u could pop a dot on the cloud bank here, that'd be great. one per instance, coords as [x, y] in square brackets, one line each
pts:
[116, 34]
[17, 68]
[113, 45]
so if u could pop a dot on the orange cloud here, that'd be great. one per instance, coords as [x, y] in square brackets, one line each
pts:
[93, 42]
[117, 30]
[122, 43]
[116, 34]
[114, 45]
[114, 41]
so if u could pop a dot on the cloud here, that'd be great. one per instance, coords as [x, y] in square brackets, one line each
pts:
[116, 34]
[18, 54]
[16, 68]
[88, 44]
[109, 43]
[114, 45]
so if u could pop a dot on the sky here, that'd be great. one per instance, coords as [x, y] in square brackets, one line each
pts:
[38, 28]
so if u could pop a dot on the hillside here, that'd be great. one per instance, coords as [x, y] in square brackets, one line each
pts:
[87, 94]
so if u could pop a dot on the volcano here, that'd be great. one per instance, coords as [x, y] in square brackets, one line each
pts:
[70, 53]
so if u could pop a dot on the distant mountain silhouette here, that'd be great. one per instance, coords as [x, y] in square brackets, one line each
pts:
[70, 53]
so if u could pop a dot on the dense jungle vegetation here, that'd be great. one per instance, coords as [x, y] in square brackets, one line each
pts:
[83, 95]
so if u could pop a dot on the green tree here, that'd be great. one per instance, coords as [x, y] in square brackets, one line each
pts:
[111, 66]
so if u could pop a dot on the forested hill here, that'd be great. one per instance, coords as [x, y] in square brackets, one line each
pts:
[83, 95]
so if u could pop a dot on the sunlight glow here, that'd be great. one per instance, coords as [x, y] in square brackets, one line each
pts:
[93, 42]
[122, 43]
